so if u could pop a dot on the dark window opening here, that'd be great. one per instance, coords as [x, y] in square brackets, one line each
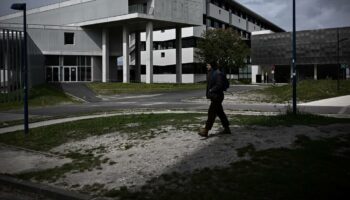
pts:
[70, 61]
[52, 61]
[68, 38]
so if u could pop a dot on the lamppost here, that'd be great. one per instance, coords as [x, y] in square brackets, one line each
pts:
[338, 70]
[23, 7]
[294, 63]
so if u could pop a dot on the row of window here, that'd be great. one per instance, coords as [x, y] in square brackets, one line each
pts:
[72, 69]
[171, 44]
[68, 74]
[214, 23]
[54, 60]
[224, 5]
[191, 68]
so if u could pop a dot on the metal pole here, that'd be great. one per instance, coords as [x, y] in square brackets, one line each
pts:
[294, 63]
[338, 63]
[25, 67]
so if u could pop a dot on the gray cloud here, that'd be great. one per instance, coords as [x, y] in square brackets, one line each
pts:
[311, 14]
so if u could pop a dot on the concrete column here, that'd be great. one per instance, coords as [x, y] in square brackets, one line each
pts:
[92, 69]
[149, 52]
[105, 55]
[150, 7]
[178, 55]
[126, 54]
[315, 72]
[60, 71]
[137, 57]
[262, 76]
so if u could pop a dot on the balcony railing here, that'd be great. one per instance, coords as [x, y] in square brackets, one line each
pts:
[138, 8]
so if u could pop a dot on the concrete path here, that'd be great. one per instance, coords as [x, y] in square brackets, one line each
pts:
[343, 101]
[80, 91]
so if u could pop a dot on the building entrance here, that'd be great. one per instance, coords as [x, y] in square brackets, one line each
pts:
[53, 74]
[70, 74]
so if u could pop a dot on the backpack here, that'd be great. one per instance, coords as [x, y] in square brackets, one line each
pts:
[226, 81]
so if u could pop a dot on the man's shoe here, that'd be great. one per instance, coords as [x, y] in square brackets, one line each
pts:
[226, 131]
[203, 132]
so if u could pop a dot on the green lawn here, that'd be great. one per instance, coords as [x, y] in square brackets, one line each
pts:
[309, 90]
[122, 88]
[42, 95]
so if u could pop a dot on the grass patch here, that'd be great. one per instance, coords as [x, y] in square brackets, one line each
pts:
[313, 170]
[308, 90]
[42, 95]
[80, 163]
[140, 88]
[45, 138]
[31, 120]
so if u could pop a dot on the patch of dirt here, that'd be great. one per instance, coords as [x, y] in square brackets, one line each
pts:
[134, 161]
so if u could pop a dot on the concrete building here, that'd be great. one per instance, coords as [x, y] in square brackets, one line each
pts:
[321, 54]
[216, 14]
[129, 40]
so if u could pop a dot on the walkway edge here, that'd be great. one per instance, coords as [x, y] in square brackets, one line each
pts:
[47, 191]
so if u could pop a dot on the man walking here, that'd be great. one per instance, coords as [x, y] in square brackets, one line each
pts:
[215, 92]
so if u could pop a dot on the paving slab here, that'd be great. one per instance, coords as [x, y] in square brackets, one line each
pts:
[343, 101]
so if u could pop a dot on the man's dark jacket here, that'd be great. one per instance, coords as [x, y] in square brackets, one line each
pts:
[215, 85]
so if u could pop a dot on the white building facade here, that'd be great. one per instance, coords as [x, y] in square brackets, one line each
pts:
[126, 41]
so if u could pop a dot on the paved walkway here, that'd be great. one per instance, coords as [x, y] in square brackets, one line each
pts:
[343, 101]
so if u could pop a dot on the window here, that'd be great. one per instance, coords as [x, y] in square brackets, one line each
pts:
[163, 54]
[70, 61]
[68, 38]
[219, 12]
[52, 61]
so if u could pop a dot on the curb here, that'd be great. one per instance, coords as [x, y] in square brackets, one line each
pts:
[47, 191]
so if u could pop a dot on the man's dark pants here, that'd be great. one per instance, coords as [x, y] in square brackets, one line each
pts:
[216, 109]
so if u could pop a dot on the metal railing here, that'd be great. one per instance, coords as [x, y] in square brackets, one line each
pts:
[138, 8]
[10, 65]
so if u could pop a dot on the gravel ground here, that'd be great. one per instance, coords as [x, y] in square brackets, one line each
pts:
[133, 159]
[241, 97]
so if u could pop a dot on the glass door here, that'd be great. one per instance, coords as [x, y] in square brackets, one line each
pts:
[66, 74]
[73, 74]
[55, 74]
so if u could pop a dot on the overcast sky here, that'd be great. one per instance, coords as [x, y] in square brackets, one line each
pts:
[311, 14]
